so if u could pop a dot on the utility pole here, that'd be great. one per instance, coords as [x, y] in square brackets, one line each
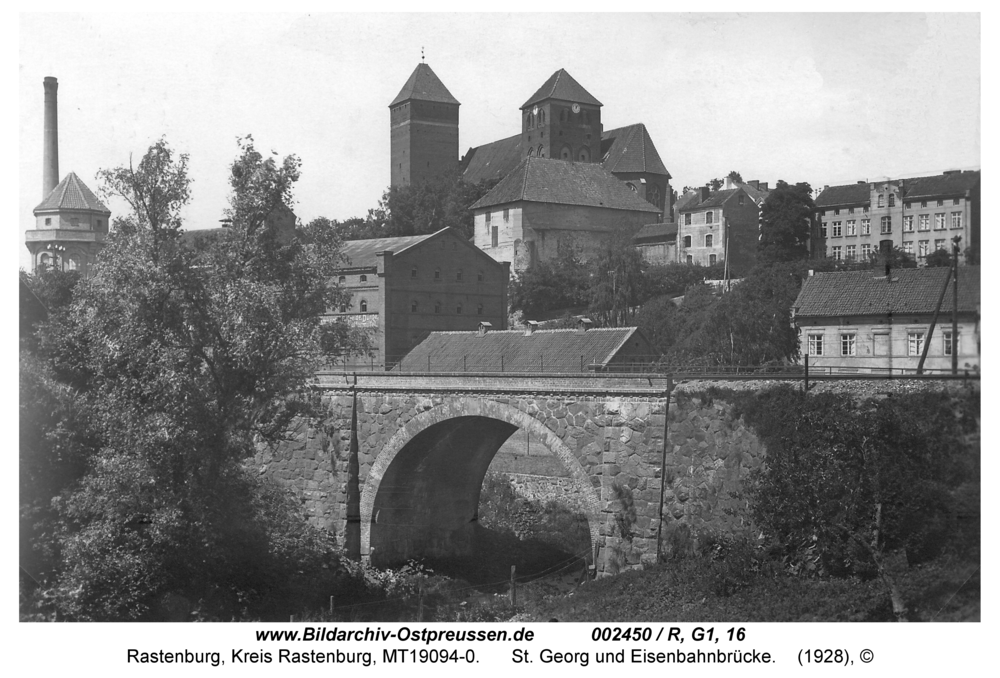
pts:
[954, 305]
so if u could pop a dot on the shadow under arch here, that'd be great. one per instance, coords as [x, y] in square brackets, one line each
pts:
[421, 495]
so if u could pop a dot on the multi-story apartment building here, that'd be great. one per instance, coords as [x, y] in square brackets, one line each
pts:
[718, 225]
[919, 215]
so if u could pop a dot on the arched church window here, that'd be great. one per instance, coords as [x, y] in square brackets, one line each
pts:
[584, 155]
[565, 153]
[531, 120]
[541, 151]
[541, 118]
[653, 195]
[531, 152]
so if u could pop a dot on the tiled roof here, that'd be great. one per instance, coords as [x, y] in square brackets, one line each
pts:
[72, 194]
[566, 183]
[912, 290]
[685, 201]
[953, 184]
[548, 350]
[424, 85]
[361, 253]
[715, 199]
[756, 194]
[630, 149]
[656, 232]
[851, 194]
[562, 86]
[492, 161]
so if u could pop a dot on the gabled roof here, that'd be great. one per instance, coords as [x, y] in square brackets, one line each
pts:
[630, 149]
[562, 86]
[72, 194]
[550, 350]
[851, 194]
[941, 185]
[685, 201]
[424, 85]
[656, 232]
[565, 183]
[361, 253]
[492, 161]
[714, 199]
[912, 290]
[756, 194]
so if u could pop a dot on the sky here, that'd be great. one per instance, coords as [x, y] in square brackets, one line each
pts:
[821, 98]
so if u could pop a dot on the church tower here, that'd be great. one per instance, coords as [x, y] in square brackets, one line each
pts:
[423, 129]
[562, 120]
[71, 224]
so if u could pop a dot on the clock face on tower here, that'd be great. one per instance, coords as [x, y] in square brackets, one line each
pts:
[576, 108]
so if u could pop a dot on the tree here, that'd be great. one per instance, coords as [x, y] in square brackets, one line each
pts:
[192, 357]
[546, 286]
[786, 219]
[735, 176]
[617, 283]
[938, 258]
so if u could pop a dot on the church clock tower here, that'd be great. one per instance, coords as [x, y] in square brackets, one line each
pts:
[562, 120]
[423, 124]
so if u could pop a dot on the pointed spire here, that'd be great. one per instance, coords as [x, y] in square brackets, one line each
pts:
[424, 85]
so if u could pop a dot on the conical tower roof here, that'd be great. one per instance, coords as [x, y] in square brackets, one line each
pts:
[562, 86]
[72, 194]
[424, 85]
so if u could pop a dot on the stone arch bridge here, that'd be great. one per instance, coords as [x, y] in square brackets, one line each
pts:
[395, 469]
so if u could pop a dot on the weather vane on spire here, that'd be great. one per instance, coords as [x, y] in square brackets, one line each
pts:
[421, 54]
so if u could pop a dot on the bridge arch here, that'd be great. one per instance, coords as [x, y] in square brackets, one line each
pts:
[409, 476]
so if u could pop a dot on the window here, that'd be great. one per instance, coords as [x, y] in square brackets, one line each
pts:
[922, 248]
[852, 252]
[955, 201]
[541, 153]
[506, 214]
[495, 236]
[458, 275]
[708, 240]
[437, 274]
[924, 222]
[363, 278]
[956, 220]
[836, 212]
[836, 229]
[48, 221]
[343, 308]
[741, 200]
[72, 263]
[881, 200]
[940, 203]
[822, 230]
[908, 246]
[479, 276]
[892, 200]
[712, 259]
[690, 259]
[908, 224]
[864, 210]
[489, 215]
[866, 227]
[708, 217]
[939, 244]
[687, 241]
[531, 152]
[886, 225]
[687, 219]
[479, 309]
[413, 306]
[939, 221]
[437, 306]
[923, 203]
[835, 252]
[413, 272]
[632, 186]
[565, 153]
[847, 345]
[852, 227]
[866, 252]
[948, 343]
[531, 120]
[815, 344]
[74, 222]
[541, 118]
[850, 210]
[458, 309]
[914, 343]
[363, 306]
[341, 280]
[584, 155]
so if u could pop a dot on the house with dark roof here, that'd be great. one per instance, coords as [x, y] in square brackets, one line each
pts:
[407, 287]
[864, 321]
[917, 215]
[715, 227]
[529, 350]
[545, 207]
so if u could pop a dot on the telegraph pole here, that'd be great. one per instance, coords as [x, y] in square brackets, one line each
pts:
[954, 305]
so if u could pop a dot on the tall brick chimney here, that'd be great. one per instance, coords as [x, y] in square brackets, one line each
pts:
[50, 146]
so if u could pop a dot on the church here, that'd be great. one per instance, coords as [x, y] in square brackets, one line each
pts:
[563, 181]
